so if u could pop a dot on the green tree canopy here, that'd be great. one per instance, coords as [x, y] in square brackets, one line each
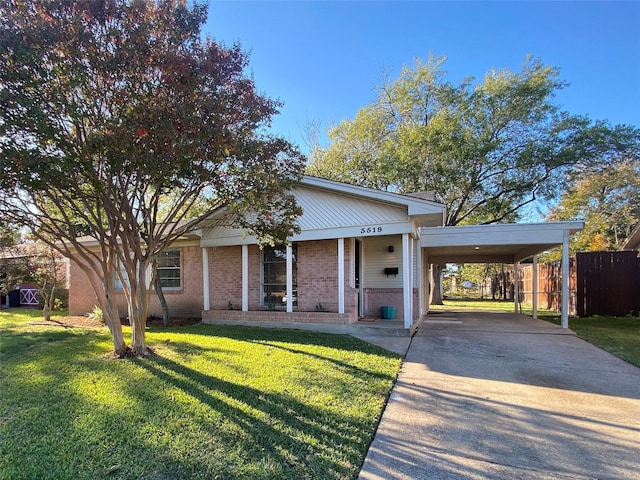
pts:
[9, 235]
[486, 149]
[605, 193]
[117, 117]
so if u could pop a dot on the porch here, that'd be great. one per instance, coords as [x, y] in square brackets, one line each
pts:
[326, 322]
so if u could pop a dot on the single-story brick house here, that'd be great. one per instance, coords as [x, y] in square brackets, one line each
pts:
[359, 249]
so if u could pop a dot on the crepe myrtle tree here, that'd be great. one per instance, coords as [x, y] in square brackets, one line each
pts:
[117, 120]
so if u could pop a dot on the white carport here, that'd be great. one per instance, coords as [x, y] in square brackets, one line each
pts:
[502, 243]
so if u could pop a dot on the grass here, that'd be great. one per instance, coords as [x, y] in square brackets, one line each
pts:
[619, 336]
[213, 402]
[463, 304]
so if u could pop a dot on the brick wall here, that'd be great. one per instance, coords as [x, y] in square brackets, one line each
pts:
[82, 298]
[318, 275]
[265, 316]
[255, 282]
[188, 300]
[225, 277]
[375, 298]
[184, 302]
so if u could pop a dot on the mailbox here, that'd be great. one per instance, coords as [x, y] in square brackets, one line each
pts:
[391, 271]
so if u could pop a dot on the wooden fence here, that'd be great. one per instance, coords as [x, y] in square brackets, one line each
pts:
[600, 283]
[608, 283]
[549, 285]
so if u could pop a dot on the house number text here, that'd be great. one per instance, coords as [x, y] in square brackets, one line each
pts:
[372, 229]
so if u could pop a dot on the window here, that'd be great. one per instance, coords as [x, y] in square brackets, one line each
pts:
[274, 276]
[117, 282]
[168, 269]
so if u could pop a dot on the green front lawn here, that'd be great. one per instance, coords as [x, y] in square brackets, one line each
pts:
[214, 402]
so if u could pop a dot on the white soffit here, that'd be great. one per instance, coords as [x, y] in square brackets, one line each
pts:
[501, 243]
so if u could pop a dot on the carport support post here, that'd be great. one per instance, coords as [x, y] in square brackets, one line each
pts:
[516, 286]
[407, 283]
[420, 280]
[565, 279]
[534, 286]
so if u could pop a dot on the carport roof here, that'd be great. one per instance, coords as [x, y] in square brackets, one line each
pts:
[499, 243]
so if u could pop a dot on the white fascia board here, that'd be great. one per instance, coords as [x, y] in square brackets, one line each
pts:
[356, 231]
[321, 234]
[229, 241]
[498, 234]
[92, 243]
[416, 206]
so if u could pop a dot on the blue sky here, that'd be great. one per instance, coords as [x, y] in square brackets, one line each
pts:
[324, 59]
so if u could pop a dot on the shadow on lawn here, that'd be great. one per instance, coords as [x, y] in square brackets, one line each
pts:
[303, 441]
[13, 343]
[301, 337]
[353, 369]
[69, 413]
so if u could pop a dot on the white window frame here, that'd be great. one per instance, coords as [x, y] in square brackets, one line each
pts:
[178, 268]
[282, 305]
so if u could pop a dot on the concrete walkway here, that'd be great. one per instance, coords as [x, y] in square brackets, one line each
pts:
[503, 396]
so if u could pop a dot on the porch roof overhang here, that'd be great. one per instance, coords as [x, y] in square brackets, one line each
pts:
[499, 243]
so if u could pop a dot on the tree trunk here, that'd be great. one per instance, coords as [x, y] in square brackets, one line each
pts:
[138, 341]
[112, 319]
[111, 315]
[46, 313]
[166, 319]
[138, 307]
[46, 302]
[436, 283]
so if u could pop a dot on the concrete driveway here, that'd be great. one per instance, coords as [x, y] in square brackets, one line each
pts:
[503, 396]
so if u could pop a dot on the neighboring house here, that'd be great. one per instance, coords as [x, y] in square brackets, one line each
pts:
[359, 249]
[633, 241]
[16, 292]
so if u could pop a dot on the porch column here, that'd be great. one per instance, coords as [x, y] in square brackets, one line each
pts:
[565, 280]
[341, 275]
[205, 279]
[245, 278]
[289, 278]
[420, 279]
[516, 286]
[407, 284]
[534, 286]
